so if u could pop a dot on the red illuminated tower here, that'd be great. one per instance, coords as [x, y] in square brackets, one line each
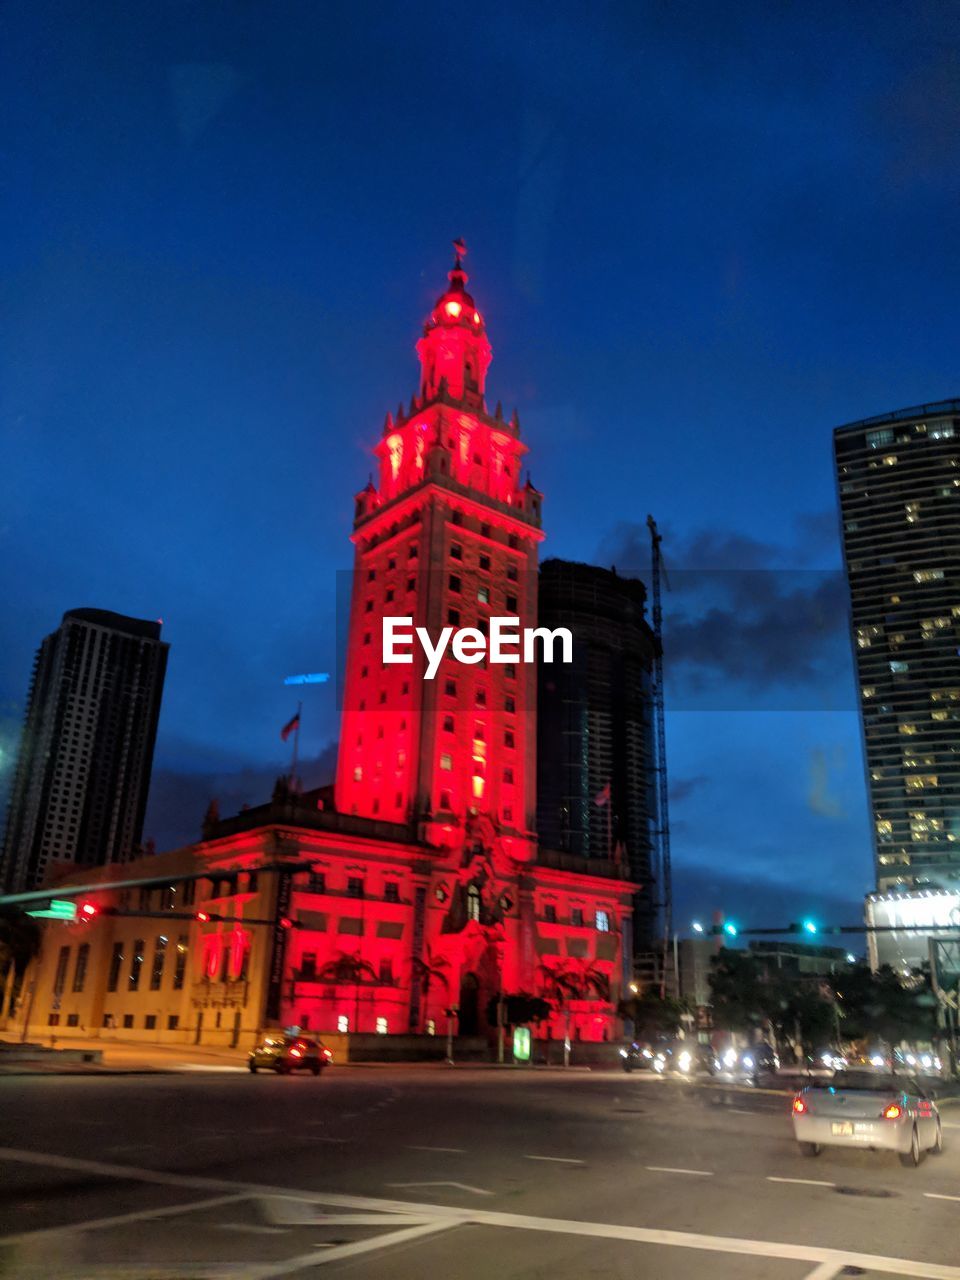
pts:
[449, 537]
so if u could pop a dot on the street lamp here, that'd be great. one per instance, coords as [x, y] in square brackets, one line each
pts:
[697, 927]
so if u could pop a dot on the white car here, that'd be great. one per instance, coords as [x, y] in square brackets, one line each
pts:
[868, 1109]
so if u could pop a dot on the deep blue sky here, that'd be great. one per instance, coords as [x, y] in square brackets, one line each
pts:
[701, 234]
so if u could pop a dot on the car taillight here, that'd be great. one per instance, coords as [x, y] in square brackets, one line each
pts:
[892, 1112]
[799, 1106]
[328, 1055]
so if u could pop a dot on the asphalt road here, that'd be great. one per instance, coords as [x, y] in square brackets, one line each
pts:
[406, 1173]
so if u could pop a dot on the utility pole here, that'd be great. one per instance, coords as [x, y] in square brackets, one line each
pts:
[660, 755]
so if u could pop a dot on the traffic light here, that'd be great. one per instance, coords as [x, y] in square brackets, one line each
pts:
[202, 917]
[730, 929]
[810, 926]
[88, 911]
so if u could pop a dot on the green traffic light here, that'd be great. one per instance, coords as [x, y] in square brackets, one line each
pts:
[730, 928]
[810, 926]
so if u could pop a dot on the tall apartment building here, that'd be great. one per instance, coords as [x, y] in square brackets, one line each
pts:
[596, 775]
[899, 491]
[80, 788]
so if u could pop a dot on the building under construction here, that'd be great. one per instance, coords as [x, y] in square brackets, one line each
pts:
[596, 742]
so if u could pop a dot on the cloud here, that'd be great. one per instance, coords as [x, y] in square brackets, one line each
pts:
[743, 628]
[682, 789]
[178, 800]
[819, 797]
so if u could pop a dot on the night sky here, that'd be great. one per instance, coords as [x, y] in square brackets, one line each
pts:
[701, 235]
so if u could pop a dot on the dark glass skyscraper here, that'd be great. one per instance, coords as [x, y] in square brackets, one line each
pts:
[596, 794]
[899, 488]
[83, 771]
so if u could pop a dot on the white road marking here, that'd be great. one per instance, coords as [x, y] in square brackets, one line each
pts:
[825, 1271]
[660, 1168]
[291, 1211]
[121, 1219]
[200, 1066]
[333, 1254]
[807, 1182]
[458, 1151]
[452, 1215]
[949, 1124]
[555, 1159]
[477, 1191]
[252, 1228]
[934, 1195]
[733, 1111]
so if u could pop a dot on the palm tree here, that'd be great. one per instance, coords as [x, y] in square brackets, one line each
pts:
[20, 939]
[428, 969]
[347, 968]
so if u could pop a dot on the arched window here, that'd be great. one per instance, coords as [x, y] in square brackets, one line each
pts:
[473, 903]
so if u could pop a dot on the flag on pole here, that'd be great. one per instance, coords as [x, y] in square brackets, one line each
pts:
[289, 727]
[602, 797]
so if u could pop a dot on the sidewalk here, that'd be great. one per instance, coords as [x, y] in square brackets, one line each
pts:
[113, 1057]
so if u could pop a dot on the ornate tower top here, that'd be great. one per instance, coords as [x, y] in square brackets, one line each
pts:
[454, 351]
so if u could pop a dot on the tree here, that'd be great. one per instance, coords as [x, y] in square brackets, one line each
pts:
[742, 993]
[347, 968]
[654, 1016]
[20, 939]
[879, 1004]
[519, 1009]
[427, 970]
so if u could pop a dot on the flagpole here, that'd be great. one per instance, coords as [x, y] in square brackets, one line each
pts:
[296, 748]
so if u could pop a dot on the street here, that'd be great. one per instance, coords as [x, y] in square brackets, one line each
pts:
[399, 1173]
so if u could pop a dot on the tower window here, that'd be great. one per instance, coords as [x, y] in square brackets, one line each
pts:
[508, 776]
[483, 595]
[511, 604]
[368, 607]
[508, 739]
[448, 724]
[453, 617]
[445, 801]
[602, 919]
[446, 761]
[484, 531]
[456, 517]
[371, 575]
[392, 563]
[512, 572]
[389, 595]
[453, 582]
[481, 698]
[509, 704]
[513, 541]
[450, 688]
[473, 903]
[412, 551]
[411, 584]
[456, 551]
[484, 562]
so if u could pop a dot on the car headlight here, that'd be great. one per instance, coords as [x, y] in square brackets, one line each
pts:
[647, 1053]
[748, 1062]
[911, 1060]
[684, 1060]
[623, 1053]
[877, 1060]
[730, 1058]
[659, 1063]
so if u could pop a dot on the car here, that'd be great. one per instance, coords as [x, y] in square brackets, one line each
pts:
[636, 1057]
[876, 1110]
[759, 1059]
[691, 1059]
[284, 1053]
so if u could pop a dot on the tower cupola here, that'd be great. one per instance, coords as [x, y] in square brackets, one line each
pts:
[454, 351]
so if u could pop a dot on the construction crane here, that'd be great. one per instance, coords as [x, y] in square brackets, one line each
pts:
[662, 832]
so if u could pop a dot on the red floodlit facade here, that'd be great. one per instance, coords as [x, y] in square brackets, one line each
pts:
[414, 891]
